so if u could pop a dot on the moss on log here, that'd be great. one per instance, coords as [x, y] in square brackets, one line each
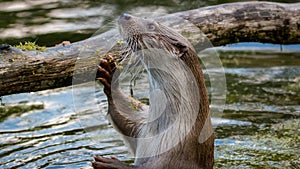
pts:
[28, 71]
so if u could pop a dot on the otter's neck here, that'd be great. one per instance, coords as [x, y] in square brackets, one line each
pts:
[178, 105]
[202, 130]
[177, 89]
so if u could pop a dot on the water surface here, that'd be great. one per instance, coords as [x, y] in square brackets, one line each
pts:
[259, 127]
[61, 129]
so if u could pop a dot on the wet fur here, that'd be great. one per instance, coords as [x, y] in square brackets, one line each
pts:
[183, 118]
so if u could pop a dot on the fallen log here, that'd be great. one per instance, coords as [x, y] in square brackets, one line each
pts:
[267, 22]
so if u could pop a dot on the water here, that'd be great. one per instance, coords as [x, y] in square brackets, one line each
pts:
[260, 125]
[50, 22]
[258, 129]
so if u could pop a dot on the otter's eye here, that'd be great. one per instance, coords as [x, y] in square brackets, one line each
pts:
[151, 27]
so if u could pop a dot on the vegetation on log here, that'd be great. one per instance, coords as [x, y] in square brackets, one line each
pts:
[27, 71]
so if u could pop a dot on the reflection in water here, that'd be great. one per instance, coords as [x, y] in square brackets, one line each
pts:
[53, 21]
[258, 128]
[27, 19]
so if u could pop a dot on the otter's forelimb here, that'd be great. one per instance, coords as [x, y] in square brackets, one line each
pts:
[126, 114]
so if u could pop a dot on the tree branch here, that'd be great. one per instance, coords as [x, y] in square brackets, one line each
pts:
[27, 71]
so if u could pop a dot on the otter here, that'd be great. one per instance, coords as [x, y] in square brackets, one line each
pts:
[175, 130]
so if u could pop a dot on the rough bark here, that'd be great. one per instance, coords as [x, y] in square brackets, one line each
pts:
[27, 71]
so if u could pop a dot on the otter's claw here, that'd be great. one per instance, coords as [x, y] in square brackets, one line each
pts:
[105, 72]
[108, 163]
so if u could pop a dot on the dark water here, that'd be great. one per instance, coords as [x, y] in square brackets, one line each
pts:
[50, 22]
[258, 129]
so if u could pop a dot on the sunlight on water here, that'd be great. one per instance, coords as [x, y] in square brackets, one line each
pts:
[43, 129]
[50, 129]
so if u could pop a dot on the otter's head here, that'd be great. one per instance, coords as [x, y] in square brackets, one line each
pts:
[140, 33]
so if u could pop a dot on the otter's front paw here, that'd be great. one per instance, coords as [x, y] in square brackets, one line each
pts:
[108, 163]
[105, 72]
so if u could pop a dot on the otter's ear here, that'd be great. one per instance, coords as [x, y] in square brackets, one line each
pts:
[181, 47]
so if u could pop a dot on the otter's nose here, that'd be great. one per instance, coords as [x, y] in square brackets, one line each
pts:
[125, 16]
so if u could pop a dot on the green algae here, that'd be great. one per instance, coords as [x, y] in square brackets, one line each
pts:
[275, 147]
[31, 46]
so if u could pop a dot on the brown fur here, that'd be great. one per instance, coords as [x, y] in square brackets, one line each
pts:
[189, 152]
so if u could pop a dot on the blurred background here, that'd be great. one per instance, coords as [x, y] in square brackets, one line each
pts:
[260, 127]
[49, 22]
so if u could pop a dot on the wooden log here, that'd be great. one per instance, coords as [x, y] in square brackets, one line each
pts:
[267, 22]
